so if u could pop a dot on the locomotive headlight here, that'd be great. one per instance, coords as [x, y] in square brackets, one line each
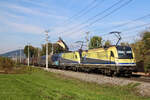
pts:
[117, 62]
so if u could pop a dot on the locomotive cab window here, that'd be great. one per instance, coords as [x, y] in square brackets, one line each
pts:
[124, 52]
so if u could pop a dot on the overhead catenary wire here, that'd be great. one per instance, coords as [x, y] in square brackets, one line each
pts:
[90, 9]
[121, 6]
[139, 26]
[93, 17]
[121, 25]
[126, 23]
[95, 21]
[130, 29]
[82, 10]
[132, 21]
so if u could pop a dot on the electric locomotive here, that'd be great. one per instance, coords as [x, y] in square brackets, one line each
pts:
[114, 60]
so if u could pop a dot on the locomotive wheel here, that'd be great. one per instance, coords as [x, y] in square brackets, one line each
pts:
[108, 72]
[116, 74]
[103, 71]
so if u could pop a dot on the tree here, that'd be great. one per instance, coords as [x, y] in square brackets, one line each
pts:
[95, 42]
[107, 43]
[146, 44]
[36, 52]
[56, 48]
[43, 52]
[32, 51]
[146, 39]
[141, 50]
[124, 44]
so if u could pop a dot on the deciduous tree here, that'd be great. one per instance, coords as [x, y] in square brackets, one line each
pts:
[95, 42]
[107, 43]
[31, 51]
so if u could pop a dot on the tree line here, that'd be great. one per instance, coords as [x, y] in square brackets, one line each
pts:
[141, 49]
[95, 42]
[36, 52]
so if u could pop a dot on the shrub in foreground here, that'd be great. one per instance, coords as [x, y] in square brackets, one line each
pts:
[6, 64]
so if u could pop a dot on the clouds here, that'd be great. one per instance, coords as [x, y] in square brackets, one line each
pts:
[37, 3]
[27, 19]
[19, 18]
[21, 23]
[31, 11]
[26, 28]
[10, 26]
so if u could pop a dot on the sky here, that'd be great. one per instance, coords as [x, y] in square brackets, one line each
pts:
[25, 21]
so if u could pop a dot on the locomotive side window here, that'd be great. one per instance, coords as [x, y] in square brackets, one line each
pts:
[76, 56]
[112, 54]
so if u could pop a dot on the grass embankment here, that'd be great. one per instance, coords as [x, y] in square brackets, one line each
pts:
[37, 84]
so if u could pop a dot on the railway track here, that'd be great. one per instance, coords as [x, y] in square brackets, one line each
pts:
[141, 79]
[134, 77]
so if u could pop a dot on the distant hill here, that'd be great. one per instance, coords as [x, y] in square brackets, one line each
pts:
[13, 53]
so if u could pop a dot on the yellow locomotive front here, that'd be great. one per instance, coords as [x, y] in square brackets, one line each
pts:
[124, 59]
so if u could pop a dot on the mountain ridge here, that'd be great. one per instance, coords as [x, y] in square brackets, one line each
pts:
[13, 53]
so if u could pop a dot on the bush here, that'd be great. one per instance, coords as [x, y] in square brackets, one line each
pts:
[147, 67]
[6, 64]
[147, 63]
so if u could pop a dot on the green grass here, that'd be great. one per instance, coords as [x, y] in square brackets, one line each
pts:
[41, 85]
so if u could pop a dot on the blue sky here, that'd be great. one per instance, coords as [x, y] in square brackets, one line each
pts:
[24, 21]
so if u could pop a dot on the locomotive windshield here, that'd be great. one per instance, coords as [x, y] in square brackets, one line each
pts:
[124, 52]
